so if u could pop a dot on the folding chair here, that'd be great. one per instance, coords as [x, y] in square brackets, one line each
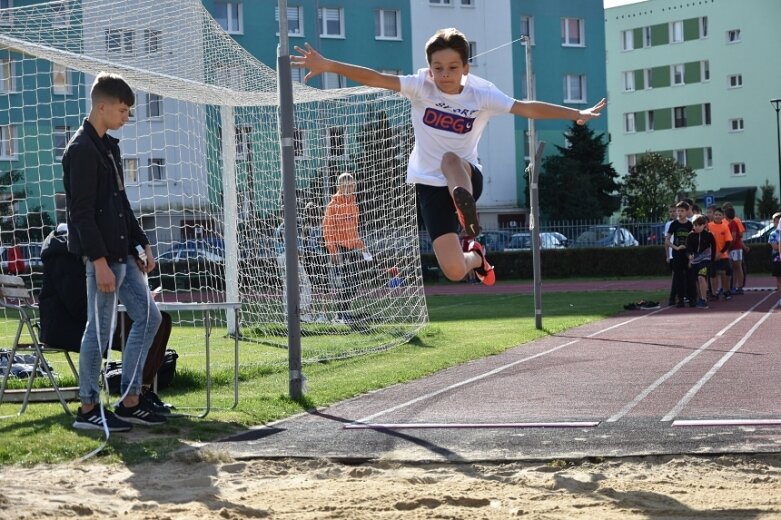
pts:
[14, 295]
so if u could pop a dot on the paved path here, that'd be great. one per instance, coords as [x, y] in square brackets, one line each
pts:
[619, 387]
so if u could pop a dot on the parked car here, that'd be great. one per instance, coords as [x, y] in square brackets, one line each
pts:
[649, 234]
[192, 250]
[495, 241]
[754, 226]
[761, 236]
[523, 241]
[606, 236]
[30, 252]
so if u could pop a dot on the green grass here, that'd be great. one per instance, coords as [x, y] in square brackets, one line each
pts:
[462, 328]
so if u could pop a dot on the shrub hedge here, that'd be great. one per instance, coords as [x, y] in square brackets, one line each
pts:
[620, 261]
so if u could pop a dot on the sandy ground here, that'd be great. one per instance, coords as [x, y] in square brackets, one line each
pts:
[208, 485]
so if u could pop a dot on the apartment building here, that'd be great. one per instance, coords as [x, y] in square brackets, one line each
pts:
[692, 80]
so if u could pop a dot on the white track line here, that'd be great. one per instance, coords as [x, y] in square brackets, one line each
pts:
[424, 426]
[656, 384]
[728, 422]
[715, 368]
[492, 372]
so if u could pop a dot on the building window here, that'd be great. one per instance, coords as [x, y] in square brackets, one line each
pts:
[62, 15]
[152, 41]
[627, 40]
[705, 70]
[8, 141]
[331, 22]
[120, 41]
[631, 161]
[60, 79]
[333, 80]
[647, 76]
[62, 135]
[130, 167]
[679, 116]
[527, 27]
[738, 168]
[735, 80]
[243, 143]
[649, 118]
[336, 142]
[230, 16]
[647, 36]
[295, 20]
[629, 123]
[733, 36]
[230, 76]
[472, 53]
[706, 113]
[154, 105]
[676, 32]
[440, 2]
[572, 32]
[629, 81]
[387, 24]
[574, 88]
[676, 72]
[297, 74]
[156, 170]
[709, 157]
[703, 27]
[299, 143]
[467, 3]
[6, 18]
[680, 157]
[7, 76]
[736, 125]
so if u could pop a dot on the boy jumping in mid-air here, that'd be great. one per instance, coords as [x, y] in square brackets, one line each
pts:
[450, 109]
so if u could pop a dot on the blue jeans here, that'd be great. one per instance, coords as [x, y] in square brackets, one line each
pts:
[133, 292]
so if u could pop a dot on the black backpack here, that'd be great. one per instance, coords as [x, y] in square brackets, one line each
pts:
[165, 375]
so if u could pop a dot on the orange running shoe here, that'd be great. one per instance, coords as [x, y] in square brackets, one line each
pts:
[466, 209]
[485, 273]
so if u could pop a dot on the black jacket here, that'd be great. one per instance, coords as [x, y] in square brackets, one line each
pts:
[63, 298]
[100, 220]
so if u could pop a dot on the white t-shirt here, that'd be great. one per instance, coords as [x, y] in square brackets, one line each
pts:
[448, 122]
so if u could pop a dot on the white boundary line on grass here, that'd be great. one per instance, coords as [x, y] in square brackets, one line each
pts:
[490, 373]
[659, 382]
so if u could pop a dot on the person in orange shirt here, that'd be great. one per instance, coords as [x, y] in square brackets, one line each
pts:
[736, 249]
[343, 241]
[723, 239]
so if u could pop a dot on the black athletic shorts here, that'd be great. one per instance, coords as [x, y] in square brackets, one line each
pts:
[436, 205]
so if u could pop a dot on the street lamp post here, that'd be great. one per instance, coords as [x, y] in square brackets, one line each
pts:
[777, 105]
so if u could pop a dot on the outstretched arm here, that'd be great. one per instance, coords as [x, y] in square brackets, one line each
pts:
[542, 110]
[309, 58]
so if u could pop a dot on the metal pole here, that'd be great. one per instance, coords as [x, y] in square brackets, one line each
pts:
[534, 210]
[777, 105]
[285, 82]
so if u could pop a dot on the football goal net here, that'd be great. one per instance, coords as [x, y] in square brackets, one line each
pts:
[201, 161]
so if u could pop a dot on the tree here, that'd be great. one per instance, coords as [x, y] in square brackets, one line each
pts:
[768, 204]
[653, 184]
[577, 183]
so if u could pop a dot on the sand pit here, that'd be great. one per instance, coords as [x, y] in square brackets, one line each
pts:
[212, 486]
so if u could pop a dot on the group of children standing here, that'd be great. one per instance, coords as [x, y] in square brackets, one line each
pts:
[705, 253]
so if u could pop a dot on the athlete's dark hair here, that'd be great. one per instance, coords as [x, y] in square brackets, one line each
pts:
[112, 86]
[448, 39]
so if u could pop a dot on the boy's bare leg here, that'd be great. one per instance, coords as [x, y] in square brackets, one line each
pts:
[455, 264]
[458, 173]
[737, 273]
